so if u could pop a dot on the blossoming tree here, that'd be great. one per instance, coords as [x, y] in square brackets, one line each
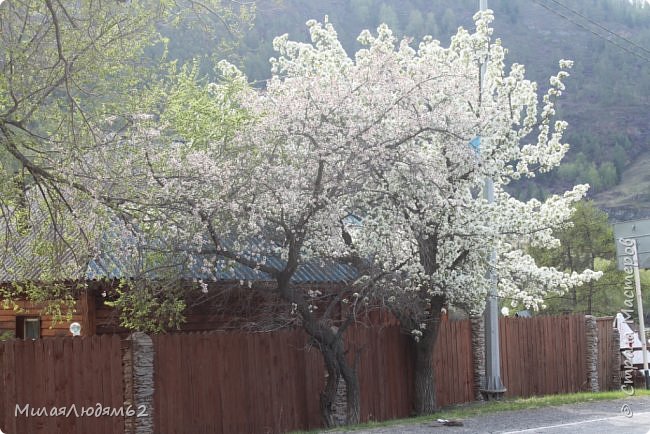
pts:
[383, 137]
[424, 210]
[407, 118]
[279, 182]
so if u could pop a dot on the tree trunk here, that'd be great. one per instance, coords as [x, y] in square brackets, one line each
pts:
[353, 395]
[425, 382]
[574, 299]
[328, 395]
[338, 368]
[335, 409]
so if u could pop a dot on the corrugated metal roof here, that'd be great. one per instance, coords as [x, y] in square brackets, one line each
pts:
[23, 260]
[41, 254]
[26, 265]
[310, 272]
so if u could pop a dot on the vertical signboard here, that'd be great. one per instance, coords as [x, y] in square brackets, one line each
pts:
[638, 230]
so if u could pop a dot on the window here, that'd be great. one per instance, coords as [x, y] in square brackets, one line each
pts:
[28, 327]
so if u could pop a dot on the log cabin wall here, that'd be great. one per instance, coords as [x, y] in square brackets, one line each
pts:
[83, 312]
[48, 327]
[227, 306]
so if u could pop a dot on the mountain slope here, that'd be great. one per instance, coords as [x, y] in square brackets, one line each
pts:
[631, 198]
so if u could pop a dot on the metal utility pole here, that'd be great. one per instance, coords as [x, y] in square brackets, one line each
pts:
[639, 303]
[633, 253]
[493, 385]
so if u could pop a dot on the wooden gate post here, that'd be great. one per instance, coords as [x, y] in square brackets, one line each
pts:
[478, 354]
[592, 353]
[139, 385]
[615, 354]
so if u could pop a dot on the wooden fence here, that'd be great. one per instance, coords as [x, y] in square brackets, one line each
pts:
[62, 375]
[278, 377]
[608, 350]
[237, 382]
[543, 355]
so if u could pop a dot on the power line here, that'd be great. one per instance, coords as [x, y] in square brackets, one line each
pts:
[594, 32]
[602, 27]
[582, 26]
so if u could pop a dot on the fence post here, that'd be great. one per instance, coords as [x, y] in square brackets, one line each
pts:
[592, 353]
[615, 354]
[478, 354]
[127, 382]
[138, 381]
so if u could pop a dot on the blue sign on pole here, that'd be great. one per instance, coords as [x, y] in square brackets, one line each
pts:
[475, 143]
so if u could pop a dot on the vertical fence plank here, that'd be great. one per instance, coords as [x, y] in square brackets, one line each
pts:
[117, 383]
[207, 397]
[547, 366]
[181, 420]
[51, 360]
[18, 347]
[441, 354]
[464, 353]
[96, 380]
[514, 385]
[569, 342]
[302, 392]
[159, 395]
[532, 346]
[554, 346]
[104, 380]
[66, 383]
[4, 386]
[10, 394]
[39, 378]
[28, 367]
[264, 393]
[160, 384]
[582, 331]
[80, 393]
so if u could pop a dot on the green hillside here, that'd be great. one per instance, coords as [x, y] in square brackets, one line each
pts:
[631, 197]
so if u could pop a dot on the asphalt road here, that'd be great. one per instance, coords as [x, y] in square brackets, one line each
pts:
[607, 417]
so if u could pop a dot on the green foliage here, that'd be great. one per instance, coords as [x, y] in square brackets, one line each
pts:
[149, 307]
[7, 335]
[56, 300]
[587, 243]
[192, 105]
[74, 78]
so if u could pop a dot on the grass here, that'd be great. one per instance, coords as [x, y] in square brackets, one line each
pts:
[464, 411]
